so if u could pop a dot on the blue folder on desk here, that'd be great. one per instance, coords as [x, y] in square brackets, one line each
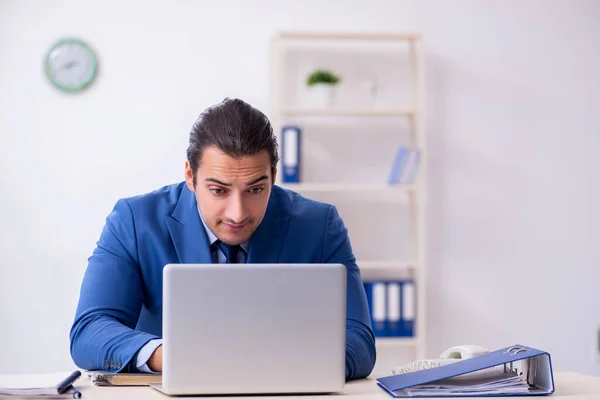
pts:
[512, 371]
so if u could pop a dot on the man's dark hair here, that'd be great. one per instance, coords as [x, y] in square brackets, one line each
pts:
[234, 127]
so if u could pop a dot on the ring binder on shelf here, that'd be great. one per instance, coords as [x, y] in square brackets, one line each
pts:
[512, 371]
[290, 154]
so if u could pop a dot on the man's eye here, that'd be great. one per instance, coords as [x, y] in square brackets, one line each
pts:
[217, 192]
[256, 190]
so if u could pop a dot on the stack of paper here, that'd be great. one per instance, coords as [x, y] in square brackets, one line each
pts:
[480, 384]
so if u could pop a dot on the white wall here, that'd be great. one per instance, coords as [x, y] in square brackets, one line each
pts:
[513, 96]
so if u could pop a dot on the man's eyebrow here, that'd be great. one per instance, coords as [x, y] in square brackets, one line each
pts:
[217, 181]
[257, 180]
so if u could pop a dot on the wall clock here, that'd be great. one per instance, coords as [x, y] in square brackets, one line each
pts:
[71, 65]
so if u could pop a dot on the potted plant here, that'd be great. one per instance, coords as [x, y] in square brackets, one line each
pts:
[321, 83]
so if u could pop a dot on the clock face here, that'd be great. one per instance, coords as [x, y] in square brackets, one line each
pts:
[71, 65]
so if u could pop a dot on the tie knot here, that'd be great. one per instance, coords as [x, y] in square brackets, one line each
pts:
[230, 251]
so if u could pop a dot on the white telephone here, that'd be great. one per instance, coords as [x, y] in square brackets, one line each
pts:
[452, 355]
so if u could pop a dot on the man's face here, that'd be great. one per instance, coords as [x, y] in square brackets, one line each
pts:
[232, 193]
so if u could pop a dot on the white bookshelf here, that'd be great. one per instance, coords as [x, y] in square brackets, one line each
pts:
[411, 197]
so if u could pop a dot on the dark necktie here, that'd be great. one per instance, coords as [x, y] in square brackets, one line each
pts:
[231, 252]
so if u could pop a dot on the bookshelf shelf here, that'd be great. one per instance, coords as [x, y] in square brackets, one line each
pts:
[342, 187]
[332, 112]
[387, 264]
[387, 270]
[397, 341]
[348, 36]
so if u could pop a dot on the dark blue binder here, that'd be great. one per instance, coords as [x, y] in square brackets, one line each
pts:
[409, 308]
[375, 292]
[393, 326]
[537, 370]
[290, 154]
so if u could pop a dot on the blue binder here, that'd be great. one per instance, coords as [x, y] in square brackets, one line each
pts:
[394, 309]
[290, 154]
[398, 165]
[409, 308]
[536, 370]
[376, 292]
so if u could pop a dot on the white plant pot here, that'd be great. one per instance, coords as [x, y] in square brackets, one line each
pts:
[322, 95]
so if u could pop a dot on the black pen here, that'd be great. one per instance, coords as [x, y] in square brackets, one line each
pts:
[68, 382]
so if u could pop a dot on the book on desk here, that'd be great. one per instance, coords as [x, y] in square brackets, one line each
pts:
[512, 371]
[105, 378]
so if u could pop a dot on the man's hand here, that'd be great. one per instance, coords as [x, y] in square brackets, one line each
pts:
[155, 360]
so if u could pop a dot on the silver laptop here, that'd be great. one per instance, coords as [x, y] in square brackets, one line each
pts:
[253, 328]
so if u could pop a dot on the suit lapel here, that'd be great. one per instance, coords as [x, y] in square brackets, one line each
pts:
[267, 241]
[187, 232]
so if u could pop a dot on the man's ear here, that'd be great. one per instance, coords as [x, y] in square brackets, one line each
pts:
[189, 177]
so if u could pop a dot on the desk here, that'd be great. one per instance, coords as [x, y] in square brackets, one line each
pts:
[569, 385]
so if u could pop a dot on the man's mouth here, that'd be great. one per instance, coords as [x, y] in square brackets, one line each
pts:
[234, 227]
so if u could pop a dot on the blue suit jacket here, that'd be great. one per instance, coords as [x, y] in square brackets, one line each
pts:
[120, 304]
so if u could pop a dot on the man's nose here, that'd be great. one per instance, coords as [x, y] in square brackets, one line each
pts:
[236, 210]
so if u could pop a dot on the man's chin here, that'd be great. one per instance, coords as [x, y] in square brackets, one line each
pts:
[234, 239]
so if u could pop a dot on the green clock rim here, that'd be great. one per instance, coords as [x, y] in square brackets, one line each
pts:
[85, 84]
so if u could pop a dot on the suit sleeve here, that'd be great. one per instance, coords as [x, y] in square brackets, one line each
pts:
[103, 334]
[360, 341]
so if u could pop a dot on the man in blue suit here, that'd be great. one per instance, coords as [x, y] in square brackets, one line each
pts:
[227, 210]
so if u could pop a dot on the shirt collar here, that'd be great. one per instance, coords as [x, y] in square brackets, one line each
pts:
[212, 238]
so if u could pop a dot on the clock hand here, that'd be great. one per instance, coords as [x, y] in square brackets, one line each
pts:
[69, 65]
